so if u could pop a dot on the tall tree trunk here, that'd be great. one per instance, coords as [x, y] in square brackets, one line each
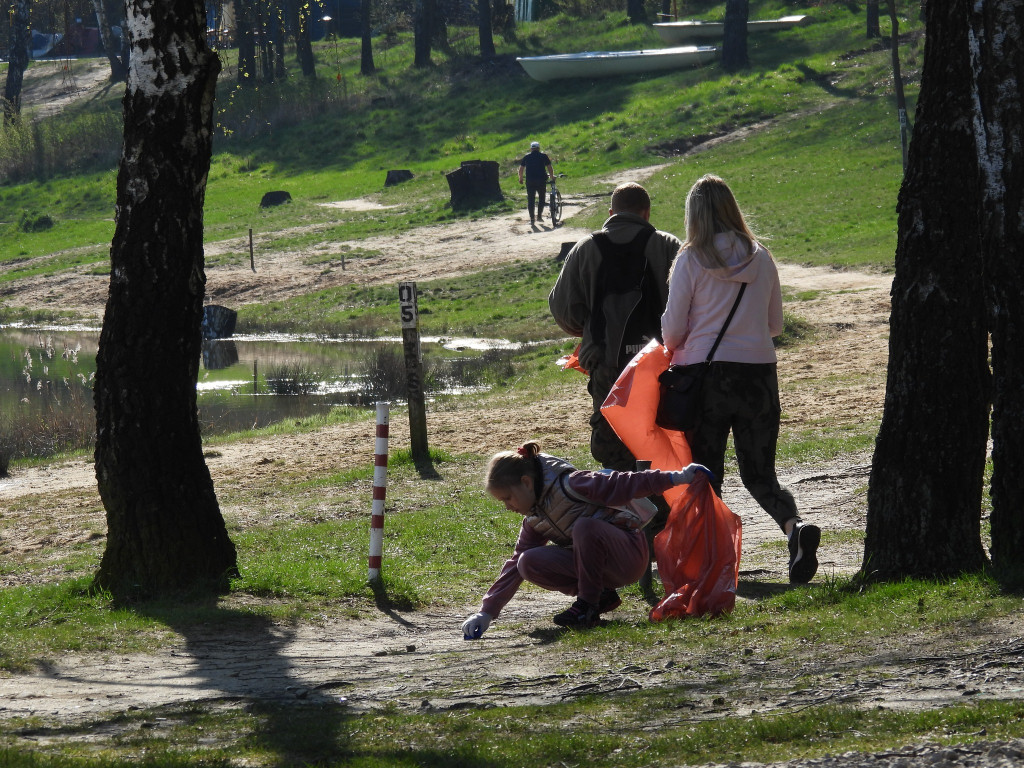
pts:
[503, 18]
[897, 79]
[422, 26]
[118, 68]
[17, 60]
[924, 493]
[278, 35]
[484, 22]
[439, 26]
[245, 26]
[164, 527]
[734, 42]
[636, 12]
[265, 39]
[996, 30]
[300, 10]
[366, 52]
[873, 28]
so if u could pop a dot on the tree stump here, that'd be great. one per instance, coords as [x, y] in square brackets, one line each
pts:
[397, 177]
[218, 322]
[275, 198]
[474, 184]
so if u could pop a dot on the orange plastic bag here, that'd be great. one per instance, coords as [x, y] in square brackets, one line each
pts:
[573, 361]
[631, 406]
[698, 554]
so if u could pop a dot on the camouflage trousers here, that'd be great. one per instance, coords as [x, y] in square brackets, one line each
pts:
[743, 398]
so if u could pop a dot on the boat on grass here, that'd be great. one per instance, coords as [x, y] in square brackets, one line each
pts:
[612, 63]
[677, 32]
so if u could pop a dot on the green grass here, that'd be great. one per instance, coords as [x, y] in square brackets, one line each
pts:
[67, 617]
[676, 722]
[603, 734]
[820, 181]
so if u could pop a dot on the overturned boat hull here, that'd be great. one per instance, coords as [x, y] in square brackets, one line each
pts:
[613, 63]
[678, 32]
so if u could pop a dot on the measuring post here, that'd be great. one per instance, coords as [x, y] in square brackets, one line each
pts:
[252, 253]
[380, 484]
[413, 372]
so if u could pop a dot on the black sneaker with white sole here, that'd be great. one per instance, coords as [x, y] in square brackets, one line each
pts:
[579, 615]
[803, 552]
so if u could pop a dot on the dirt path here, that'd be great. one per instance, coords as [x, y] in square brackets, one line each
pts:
[407, 659]
[419, 659]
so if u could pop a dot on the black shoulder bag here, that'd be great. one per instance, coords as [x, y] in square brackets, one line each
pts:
[681, 385]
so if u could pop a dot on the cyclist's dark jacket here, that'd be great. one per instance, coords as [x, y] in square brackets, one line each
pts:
[536, 164]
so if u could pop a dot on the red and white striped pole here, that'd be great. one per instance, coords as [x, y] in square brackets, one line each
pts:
[380, 483]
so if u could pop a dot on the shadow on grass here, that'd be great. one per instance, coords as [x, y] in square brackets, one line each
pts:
[387, 605]
[299, 722]
[759, 590]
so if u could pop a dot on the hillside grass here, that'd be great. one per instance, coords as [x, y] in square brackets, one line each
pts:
[818, 176]
[819, 180]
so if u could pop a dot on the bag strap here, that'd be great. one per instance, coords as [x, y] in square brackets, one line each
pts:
[714, 347]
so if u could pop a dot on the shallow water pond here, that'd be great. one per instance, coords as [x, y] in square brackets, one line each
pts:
[245, 382]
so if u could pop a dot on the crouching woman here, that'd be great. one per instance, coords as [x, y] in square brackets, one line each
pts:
[579, 535]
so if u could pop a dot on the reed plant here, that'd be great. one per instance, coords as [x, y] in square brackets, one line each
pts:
[50, 410]
[292, 380]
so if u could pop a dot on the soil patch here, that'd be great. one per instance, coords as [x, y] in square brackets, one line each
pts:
[418, 659]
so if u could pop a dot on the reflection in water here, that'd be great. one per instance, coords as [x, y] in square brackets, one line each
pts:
[219, 354]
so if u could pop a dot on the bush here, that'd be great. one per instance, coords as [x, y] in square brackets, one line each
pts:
[34, 222]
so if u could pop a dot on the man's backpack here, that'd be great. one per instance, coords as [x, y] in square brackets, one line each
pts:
[628, 312]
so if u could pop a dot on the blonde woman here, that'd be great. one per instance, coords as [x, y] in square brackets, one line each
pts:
[740, 391]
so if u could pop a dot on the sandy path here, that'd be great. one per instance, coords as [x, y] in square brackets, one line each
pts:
[410, 658]
[415, 657]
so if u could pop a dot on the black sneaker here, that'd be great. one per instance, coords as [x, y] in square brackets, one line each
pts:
[803, 548]
[609, 601]
[579, 615]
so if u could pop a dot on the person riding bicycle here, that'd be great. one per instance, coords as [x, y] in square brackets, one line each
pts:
[536, 167]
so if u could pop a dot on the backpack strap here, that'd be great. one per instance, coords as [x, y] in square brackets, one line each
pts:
[624, 281]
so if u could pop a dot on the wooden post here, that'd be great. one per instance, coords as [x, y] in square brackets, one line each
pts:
[414, 372]
[252, 253]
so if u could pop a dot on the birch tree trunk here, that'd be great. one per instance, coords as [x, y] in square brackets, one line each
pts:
[924, 494]
[164, 526]
[998, 67]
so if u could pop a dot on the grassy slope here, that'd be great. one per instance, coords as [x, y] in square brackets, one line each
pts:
[821, 181]
[822, 184]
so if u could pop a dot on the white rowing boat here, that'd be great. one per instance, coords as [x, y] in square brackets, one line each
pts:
[611, 63]
[676, 32]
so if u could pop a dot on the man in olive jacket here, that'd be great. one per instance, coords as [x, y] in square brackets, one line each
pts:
[611, 292]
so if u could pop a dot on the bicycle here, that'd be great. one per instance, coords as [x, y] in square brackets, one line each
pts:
[555, 203]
